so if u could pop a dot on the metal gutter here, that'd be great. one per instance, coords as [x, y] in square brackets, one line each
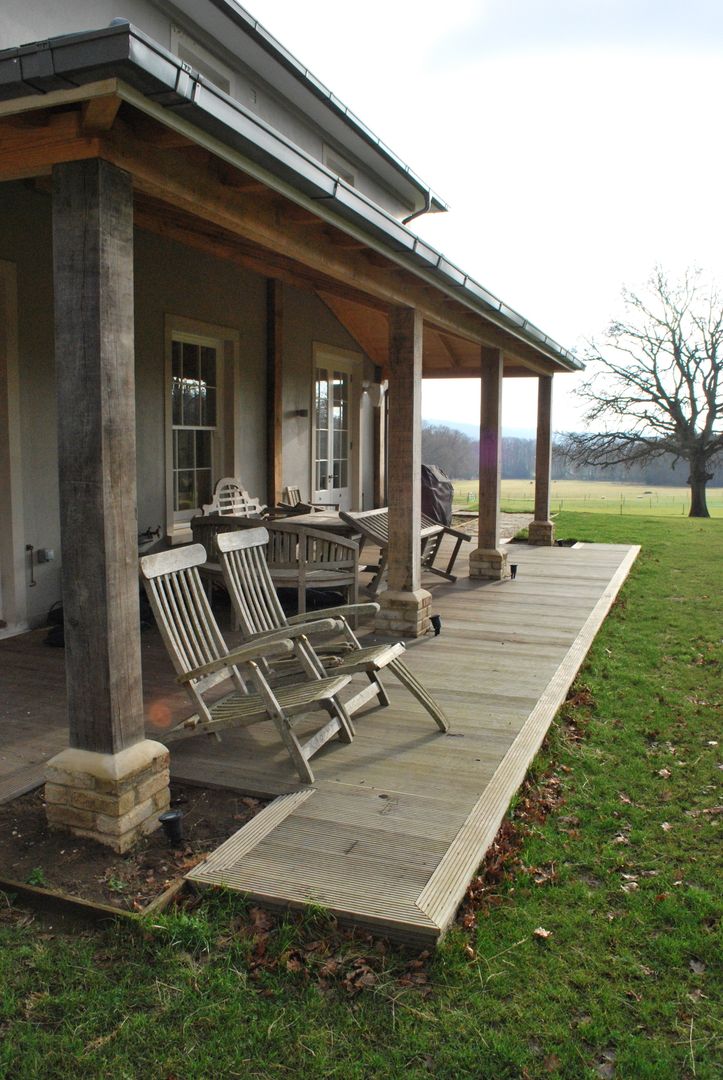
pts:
[166, 87]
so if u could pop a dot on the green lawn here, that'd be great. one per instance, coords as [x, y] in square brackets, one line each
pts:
[596, 496]
[611, 849]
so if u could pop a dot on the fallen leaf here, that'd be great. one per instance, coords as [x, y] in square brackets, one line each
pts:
[541, 933]
[261, 920]
[666, 826]
[551, 1063]
[696, 966]
[665, 773]
[624, 798]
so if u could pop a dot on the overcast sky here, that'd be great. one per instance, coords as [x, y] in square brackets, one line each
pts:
[578, 143]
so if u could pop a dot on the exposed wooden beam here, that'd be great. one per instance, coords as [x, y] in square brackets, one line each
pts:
[31, 149]
[446, 344]
[99, 113]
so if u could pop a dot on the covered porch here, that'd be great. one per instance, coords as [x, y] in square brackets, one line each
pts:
[396, 823]
[135, 162]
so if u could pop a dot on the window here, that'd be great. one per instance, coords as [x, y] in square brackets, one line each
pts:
[194, 407]
[201, 421]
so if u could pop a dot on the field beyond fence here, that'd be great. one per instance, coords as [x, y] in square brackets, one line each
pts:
[593, 495]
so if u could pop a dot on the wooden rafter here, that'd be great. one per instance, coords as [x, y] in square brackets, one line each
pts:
[269, 233]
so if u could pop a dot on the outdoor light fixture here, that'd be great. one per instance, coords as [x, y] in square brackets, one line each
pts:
[172, 822]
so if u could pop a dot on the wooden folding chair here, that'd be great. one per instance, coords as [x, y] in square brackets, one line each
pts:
[202, 661]
[374, 528]
[259, 614]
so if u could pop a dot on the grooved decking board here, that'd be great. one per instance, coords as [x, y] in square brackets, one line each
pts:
[400, 819]
[396, 822]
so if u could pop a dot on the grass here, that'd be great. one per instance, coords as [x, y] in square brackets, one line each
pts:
[596, 496]
[614, 855]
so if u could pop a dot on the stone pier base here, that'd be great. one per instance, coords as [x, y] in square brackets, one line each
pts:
[541, 533]
[112, 798]
[405, 613]
[490, 564]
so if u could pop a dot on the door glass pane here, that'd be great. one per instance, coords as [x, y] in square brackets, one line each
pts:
[322, 470]
[322, 398]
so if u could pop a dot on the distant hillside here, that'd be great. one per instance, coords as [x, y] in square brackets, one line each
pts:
[472, 430]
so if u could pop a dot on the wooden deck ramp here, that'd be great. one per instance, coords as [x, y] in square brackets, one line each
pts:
[396, 823]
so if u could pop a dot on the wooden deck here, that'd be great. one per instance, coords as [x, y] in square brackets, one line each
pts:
[396, 823]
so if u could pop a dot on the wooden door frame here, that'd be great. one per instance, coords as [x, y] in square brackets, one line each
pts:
[355, 360]
[13, 593]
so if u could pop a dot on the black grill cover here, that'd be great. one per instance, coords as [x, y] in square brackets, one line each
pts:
[437, 493]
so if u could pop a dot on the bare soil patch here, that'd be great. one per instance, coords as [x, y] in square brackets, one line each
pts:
[32, 853]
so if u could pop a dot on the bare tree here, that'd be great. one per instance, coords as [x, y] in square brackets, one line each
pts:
[657, 383]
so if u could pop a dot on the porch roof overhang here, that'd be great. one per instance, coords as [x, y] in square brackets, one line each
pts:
[375, 259]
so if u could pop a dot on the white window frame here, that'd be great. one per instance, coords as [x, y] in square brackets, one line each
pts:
[224, 442]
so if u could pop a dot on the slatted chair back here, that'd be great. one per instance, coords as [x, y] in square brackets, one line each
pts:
[302, 558]
[184, 617]
[372, 524]
[246, 571]
[291, 496]
[230, 498]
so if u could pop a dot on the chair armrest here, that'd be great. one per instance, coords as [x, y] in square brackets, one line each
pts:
[239, 656]
[344, 611]
[459, 533]
[287, 633]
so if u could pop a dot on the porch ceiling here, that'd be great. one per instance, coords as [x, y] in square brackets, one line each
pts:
[197, 194]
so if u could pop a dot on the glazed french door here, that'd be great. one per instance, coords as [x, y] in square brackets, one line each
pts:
[332, 465]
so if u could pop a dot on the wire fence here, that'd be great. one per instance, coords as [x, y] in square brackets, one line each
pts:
[654, 502]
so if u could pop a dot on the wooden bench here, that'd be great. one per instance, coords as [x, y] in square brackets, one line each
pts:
[231, 498]
[374, 528]
[292, 503]
[299, 557]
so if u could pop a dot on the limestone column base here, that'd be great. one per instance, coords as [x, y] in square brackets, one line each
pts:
[541, 533]
[111, 798]
[489, 564]
[404, 613]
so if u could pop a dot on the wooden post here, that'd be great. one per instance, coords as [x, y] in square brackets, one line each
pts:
[274, 380]
[93, 284]
[542, 529]
[488, 560]
[405, 605]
